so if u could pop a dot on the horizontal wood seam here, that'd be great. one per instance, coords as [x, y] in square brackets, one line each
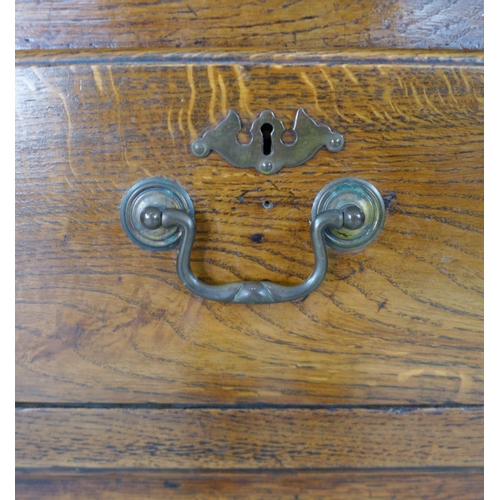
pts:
[257, 406]
[83, 471]
[311, 58]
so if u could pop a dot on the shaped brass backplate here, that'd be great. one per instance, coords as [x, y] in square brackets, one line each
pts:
[266, 151]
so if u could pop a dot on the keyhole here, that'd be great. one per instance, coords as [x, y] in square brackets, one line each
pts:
[267, 143]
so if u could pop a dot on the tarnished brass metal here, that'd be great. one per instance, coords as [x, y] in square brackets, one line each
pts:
[266, 152]
[350, 192]
[157, 214]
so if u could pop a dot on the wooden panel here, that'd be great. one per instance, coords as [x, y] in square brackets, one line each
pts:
[464, 484]
[248, 438]
[274, 24]
[99, 319]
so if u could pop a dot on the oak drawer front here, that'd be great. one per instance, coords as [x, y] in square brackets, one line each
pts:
[100, 320]
[275, 25]
[252, 439]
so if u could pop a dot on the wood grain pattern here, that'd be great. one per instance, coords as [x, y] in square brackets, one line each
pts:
[277, 25]
[248, 438]
[128, 387]
[99, 319]
[463, 484]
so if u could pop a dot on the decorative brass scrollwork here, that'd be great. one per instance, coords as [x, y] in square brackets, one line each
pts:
[266, 152]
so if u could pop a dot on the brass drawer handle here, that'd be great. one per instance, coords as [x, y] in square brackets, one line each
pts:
[157, 214]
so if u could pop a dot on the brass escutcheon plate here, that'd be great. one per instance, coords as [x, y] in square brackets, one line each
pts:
[266, 152]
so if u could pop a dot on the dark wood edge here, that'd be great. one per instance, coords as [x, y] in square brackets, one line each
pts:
[291, 58]
[84, 471]
[346, 484]
[242, 406]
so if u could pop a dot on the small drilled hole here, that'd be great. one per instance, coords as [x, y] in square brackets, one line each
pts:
[257, 238]
[267, 142]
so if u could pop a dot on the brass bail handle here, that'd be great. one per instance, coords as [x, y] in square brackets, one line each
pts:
[158, 214]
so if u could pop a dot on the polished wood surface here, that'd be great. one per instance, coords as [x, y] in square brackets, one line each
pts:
[285, 438]
[100, 320]
[342, 485]
[293, 24]
[127, 386]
